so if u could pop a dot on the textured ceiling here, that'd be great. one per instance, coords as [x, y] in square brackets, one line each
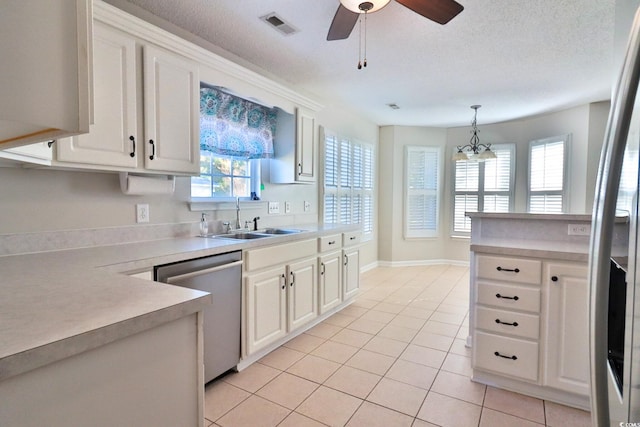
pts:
[516, 58]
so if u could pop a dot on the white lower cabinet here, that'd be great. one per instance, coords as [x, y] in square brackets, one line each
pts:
[350, 273]
[266, 308]
[529, 326]
[302, 291]
[567, 327]
[330, 283]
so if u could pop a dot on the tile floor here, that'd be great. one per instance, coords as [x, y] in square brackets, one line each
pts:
[395, 357]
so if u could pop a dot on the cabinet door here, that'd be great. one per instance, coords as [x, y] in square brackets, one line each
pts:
[266, 309]
[567, 327]
[305, 146]
[46, 70]
[330, 281]
[112, 139]
[303, 288]
[350, 272]
[171, 112]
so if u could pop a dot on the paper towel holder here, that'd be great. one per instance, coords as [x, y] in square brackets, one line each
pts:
[138, 185]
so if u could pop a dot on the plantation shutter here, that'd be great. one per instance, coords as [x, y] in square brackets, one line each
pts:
[546, 175]
[422, 166]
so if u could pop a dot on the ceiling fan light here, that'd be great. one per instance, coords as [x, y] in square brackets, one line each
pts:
[354, 5]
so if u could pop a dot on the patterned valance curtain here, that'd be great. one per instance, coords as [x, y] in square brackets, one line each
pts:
[232, 126]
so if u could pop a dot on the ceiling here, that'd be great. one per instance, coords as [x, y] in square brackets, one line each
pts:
[515, 58]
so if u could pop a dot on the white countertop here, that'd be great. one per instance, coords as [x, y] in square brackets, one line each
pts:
[57, 304]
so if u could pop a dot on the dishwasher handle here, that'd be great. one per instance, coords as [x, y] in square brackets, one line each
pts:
[197, 273]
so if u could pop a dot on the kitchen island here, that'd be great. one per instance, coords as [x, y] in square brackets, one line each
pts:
[85, 343]
[529, 303]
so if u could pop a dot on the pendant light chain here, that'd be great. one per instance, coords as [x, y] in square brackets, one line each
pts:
[365, 39]
[360, 43]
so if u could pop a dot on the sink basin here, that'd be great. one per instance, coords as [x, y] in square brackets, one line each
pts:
[279, 231]
[242, 236]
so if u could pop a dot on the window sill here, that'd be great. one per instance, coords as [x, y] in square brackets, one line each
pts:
[198, 205]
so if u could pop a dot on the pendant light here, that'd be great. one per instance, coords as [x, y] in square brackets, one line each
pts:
[474, 150]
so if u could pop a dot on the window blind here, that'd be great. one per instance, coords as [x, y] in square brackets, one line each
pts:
[547, 186]
[422, 184]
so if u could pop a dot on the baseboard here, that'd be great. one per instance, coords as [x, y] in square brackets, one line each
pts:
[421, 262]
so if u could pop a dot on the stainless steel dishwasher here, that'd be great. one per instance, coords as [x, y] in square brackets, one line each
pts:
[220, 275]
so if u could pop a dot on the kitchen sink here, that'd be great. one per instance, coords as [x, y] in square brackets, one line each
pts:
[279, 231]
[242, 236]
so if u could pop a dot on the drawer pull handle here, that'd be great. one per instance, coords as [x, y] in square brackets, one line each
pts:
[516, 298]
[333, 242]
[515, 270]
[506, 323]
[514, 357]
[352, 238]
[554, 278]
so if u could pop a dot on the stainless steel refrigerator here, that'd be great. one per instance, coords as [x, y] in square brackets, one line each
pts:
[614, 272]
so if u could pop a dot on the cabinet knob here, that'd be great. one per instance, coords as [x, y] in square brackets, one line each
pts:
[554, 278]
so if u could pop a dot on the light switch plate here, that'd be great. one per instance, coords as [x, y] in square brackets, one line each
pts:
[287, 207]
[579, 229]
[307, 206]
[274, 207]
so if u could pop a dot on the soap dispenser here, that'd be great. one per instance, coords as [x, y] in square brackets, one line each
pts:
[204, 227]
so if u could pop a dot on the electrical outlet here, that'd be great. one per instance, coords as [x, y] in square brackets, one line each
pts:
[307, 206]
[142, 213]
[274, 207]
[287, 207]
[579, 229]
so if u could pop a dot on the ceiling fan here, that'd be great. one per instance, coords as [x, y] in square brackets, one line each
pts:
[440, 11]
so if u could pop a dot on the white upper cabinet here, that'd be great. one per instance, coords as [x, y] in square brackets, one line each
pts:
[171, 112]
[113, 138]
[46, 70]
[295, 149]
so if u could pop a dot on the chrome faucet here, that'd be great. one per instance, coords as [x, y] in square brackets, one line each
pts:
[238, 213]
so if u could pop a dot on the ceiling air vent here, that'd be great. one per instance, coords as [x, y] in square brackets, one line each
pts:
[279, 24]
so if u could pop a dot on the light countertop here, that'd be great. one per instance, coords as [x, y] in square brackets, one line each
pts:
[57, 304]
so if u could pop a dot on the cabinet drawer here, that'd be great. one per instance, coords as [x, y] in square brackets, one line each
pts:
[506, 356]
[514, 270]
[508, 322]
[511, 297]
[351, 238]
[327, 243]
[255, 259]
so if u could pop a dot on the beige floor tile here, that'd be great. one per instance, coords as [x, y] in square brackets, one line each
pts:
[463, 333]
[454, 309]
[419, 423]
[424, 355]
[335, 351]
[560, 415]
[457, 364]
[460, 387]
[314, 368]
[329, 406]
[324, 330]
[220, 397]
[305, 343]
[455, 319]
[431, 340]
[446, 411]
[516, 404]
[412, 373]
[365, 303]
[386, 346]
[371, 362]
[491, 418]
[424, 304]
[366, 326]
[407, 322]
[353, 381]
[419, 313]
[378, 316]
[282, 357]
[440, 328]
[390, 308]
[459, 346]
[296, 420]
[252, 378]
[351, 337]
[398, 396]
[371, 415]
[398, 333]
[354, 311]
[255, 411]
[340, 320]
[287, 390]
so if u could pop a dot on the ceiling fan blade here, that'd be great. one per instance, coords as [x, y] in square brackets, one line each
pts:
[440, 11]
[342, 24]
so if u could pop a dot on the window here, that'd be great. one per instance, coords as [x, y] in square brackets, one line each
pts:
[483, 186]
[548, 175]
[422, 191]
[348, 196]
[224, 177]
